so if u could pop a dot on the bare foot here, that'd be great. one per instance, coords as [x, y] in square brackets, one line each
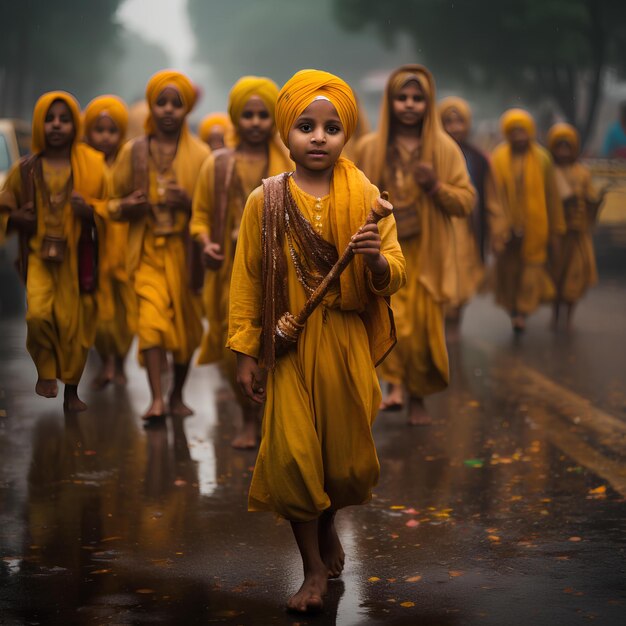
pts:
[71, 401]
[156, 409]
[394, 400]
[178, 408]
[418, 415]
[119, 377]
[247, 436]
[47, 387]
[519, 324]
[308, 599]
[331, 549]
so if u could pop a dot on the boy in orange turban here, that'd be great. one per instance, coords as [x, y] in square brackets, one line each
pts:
[153, 182]
[106, 122]
[575, 269]
[317, 453]
[216, 130]
[227, 178]
[55, 200]
[524, 173]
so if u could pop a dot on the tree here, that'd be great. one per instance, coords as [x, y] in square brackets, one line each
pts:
[50, 45]
[556, 49]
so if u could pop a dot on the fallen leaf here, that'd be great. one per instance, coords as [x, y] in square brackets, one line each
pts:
[89, 452]
[180, 482]
[101, 571]
[412, 523]
[598, 490]
[474, 462]
[455, 573]
[397, 507]
[394, 535]
[407, 605]
[493, 538]
[373, 579]
[144, 591]
[411, 511]
[413, 579]
[575, 539]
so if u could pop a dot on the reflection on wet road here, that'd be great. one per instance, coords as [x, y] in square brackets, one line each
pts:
[509, 510]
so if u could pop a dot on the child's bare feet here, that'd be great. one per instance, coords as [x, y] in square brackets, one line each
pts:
[156, 409]
[71, 401]
[120, 375]
[418, 415]
[178, 408]
[47, 387]
[247, 436]
[308, 599]
[105, 375]
[394, 400]
[331, 549]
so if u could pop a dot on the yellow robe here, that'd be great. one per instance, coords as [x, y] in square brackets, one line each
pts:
[169, 314]
[117, 302]
[247, 176]
[317, 449]
[533, 207]
[576, 269]
[61, 321]
[420, 359]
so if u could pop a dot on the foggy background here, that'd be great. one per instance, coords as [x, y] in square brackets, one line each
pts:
[563, 59]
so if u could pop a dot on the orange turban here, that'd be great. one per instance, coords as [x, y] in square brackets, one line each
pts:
[108, 105]
[211, 120]
[38, 142]
[518, 118]
[563, 132]
[453, 103]
[306, 85]
[169, 78]
[245, 88]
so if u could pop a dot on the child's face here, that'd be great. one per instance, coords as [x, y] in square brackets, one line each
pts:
[563, 153]
[255, 124]
[168, 111]
[409, 105]
[455, 126]
[59, 125]
[317, 137]
[519, 139]
[104, 135]
[215, 140]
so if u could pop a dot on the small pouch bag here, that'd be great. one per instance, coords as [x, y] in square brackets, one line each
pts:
[53, 249]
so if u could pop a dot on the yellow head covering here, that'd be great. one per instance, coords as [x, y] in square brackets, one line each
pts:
[216, 119]
[38, 143]
[306, 85]
[245, 88]
[176, 80]
[460, 106]
[517, 118]
[563, 132]
[109, 105]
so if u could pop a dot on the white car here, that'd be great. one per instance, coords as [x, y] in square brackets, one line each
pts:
[14, 143]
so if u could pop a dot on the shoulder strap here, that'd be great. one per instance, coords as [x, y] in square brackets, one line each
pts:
[139, 160]
[223, 176]
[30, 167]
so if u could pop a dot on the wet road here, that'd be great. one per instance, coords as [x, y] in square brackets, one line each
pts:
[509, 510]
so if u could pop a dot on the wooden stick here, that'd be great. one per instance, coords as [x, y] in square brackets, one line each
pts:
[289, 327]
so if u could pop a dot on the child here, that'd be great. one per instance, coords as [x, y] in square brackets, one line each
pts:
[317, 453]
[216, 130]
[486, 229]
[106, 120]
[425, 172]
[226, 180]
[55, 201]
[575, 270]
[153, 182]
[525, 176]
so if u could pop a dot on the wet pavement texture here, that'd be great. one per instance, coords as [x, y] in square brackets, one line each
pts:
[509, 510]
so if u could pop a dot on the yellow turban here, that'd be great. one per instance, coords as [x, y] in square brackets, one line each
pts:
[249, 86]
[306, 85]
[42, 106]
[563, 132]
[453, 103]
[111, 106]
[211, 120]
[169, 78]
[517, 118]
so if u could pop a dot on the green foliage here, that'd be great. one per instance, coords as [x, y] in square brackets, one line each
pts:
[537, 49]
[54, 45]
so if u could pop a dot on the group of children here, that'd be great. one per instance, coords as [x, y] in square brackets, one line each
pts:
[241, 226]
